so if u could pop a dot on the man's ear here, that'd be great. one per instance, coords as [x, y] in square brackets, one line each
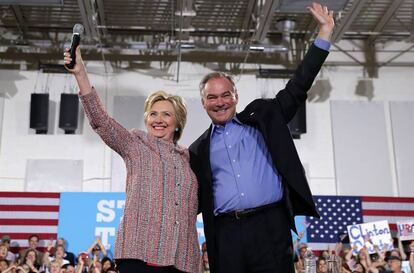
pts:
[202, 102]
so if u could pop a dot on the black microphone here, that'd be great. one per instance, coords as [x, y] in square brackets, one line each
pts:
[77, 31]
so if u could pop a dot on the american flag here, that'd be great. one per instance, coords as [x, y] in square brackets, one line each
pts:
[26, 213]
[337, 212]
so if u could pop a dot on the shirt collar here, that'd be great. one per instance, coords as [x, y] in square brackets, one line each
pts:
[216, 127]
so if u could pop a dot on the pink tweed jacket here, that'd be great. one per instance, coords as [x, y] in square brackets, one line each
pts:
[159, 222]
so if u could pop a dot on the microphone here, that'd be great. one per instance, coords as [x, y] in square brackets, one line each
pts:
[77, 31]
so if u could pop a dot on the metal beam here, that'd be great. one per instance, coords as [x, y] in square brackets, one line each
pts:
[86, 13]
[245, 30]
[101, 14]
[18, 15]
[394, 6]
[412, 22]
[265, 19]
[348, 19]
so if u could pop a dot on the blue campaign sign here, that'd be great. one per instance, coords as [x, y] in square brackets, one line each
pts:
[301, 226]
[85, 215]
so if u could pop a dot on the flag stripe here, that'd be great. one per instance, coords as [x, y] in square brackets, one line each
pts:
[42, 243]
[387, 199]
[25, 236]
[30, 201]
[28, 208]
[32, 222]
[388, 213]
[28, 215]
[28, 229]
[30, 194]
[391, 219]
[387, 206]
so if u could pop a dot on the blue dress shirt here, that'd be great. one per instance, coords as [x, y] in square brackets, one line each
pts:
[242, 169]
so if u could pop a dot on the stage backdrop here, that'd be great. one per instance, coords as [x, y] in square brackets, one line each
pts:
[80, 217]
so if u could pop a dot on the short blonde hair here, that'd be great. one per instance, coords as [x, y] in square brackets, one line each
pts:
[179, 108]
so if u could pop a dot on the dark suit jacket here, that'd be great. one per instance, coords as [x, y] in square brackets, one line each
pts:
[270, 117]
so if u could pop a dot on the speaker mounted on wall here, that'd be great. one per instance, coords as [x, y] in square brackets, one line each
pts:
[68, 115]
[297, 125]
[39, 112]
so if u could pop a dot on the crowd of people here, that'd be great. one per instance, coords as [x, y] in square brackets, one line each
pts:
[341, 259]
[346, 259]
[54, 258]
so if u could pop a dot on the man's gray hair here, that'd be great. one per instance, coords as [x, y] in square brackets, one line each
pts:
[212, 75]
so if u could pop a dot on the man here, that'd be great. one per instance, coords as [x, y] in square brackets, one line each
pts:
[251, 181]
[33, 244]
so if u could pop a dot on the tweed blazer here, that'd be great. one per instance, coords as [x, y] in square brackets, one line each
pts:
[159, 222]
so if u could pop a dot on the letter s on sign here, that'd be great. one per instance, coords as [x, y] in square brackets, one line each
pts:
[105, 211]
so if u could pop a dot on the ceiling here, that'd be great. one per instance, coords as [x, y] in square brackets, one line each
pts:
[132, 33]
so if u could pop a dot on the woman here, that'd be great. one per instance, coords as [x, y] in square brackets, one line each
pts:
[30, 261]
[157, 232]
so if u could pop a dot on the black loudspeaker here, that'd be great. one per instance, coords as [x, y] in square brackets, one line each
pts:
[39, 112]
[297, 125]
[68, 115]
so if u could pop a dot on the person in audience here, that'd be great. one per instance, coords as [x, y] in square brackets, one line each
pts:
[359, 268]
[33, 241]
[158, 230]
[4, 264]
[67, 255]
[57, 257]
[23, 268]
[322, 265]
[97, 250]
[299, 264]
[3, 251]
[10, 256]
[83, 263]
[30, 261]
[106, 264]
[68, 268]
[204, 258]
[411, 257]
[112, 270]
[53, 267]
[96, 267]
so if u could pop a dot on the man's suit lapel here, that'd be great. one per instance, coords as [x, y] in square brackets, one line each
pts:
[205, 154]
